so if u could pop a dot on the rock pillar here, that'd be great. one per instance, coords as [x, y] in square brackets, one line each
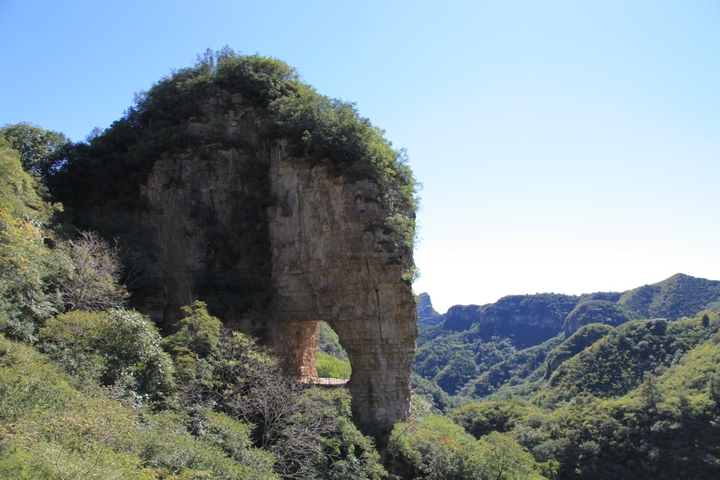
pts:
[329, 264]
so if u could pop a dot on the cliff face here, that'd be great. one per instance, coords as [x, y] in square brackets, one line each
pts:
[526, 319]
[426, 313]
[277, 244]
[330, 263]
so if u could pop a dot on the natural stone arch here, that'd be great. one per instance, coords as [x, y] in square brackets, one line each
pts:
[323, 255]
[327, 265]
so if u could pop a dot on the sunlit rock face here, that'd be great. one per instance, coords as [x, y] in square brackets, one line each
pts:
[277, 244]
[329, 263]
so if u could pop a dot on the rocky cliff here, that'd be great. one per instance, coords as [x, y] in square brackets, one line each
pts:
[278, 220]
[525, 319]
[426, 312]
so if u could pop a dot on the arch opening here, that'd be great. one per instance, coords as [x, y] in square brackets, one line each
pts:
[332, 359]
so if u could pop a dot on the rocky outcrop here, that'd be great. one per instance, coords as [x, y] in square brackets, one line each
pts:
[276, 244]
[525, 319]
[235, 183]
[329, 264]
[594, 311]
[426, 312]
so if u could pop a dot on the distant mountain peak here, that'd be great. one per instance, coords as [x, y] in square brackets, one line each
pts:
[426, 313]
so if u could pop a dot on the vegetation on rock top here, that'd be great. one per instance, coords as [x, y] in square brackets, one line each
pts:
[112, 166]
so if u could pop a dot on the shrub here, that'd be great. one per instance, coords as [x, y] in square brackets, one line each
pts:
[199, 332]
[432, 448]
[330, 367]
[117, 348]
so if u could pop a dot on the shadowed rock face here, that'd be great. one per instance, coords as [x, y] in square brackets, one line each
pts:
[276, 245]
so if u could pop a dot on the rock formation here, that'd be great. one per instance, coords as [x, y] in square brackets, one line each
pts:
[328, 264]
[525, 319]
[274, 241]
[426, 312]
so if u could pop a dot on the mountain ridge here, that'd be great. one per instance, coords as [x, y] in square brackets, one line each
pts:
[472, 350]
[645, 301]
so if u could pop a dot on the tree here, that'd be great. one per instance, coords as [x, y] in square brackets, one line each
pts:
[116, 348]
[456, 373]
[42, 151]
[95, 282]
[30, 272]
[499, 457]
[433, 448]
[199, 331]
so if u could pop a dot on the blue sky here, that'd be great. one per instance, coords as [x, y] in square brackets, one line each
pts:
[563, 146]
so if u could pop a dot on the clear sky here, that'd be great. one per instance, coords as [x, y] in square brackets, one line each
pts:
[564, 146]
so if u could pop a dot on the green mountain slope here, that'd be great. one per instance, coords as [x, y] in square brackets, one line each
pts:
[619, 361]
[678, 296]
[477, 350]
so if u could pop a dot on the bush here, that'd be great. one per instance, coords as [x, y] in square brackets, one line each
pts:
[31, 274]
[330, 367]
[480, 419]
[199, 332]
[119, 348]
[94, 283]
[432, 448]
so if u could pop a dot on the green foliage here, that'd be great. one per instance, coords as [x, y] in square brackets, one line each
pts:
[500, 457]
[519, 369]
[30, 278]
[678, 296]
[456, 373]
[436, 448]
[27, 384]
[430, 392]
[31, 274]
[618, 362]
[431, 357]
[41, 150]
[199, 332]
[503, 337]
[331, 130]
[577, 342]
[594, 311]
[450, 357]
[170, 449]
[330, 367]
[260, 79]
[117, 348]
[432, 448]
[330, 343]
[20, 192]
[321, 441]
[481, 418]
[50, 429]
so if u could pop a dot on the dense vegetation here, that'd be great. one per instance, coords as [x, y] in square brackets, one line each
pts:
[614, 399]
[89, 389]
[475, 351]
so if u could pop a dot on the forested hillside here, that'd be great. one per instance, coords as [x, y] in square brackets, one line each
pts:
[475, 350]
[606, 397]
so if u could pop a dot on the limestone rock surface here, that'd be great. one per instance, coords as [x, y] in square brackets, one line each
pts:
[277, 244]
